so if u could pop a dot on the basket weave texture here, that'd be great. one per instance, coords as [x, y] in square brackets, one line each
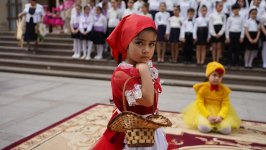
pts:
[139, 131]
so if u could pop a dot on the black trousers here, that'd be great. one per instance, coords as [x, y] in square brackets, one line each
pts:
[234, 48]
[188, 47]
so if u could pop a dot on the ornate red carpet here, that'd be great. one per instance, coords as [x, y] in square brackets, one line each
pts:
[83, 129]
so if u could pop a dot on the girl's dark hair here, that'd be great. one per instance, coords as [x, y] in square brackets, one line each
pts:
[217, 2]
[244, 4]
[86, 6]
[119, 60]
[177, 7]
[191, 10]
[100, 8]
[235, 6]
[203, 6]
[251, 10]
[79, 6]
[146, 5]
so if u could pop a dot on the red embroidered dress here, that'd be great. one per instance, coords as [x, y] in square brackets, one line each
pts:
[114, 140]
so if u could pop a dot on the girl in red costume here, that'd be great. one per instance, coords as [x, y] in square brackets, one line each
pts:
[133, 42]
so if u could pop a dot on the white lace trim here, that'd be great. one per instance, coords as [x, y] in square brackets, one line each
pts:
[133, 95]
[154, 72]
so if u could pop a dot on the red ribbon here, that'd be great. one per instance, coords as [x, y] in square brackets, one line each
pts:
[214, 87]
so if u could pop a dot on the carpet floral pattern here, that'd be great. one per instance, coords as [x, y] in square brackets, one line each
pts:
[82, 130]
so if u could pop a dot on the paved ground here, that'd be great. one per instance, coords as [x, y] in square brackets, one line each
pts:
[29, 103]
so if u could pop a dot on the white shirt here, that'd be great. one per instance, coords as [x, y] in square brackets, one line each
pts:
[74, 21]
[200, 22]
[209, 4]
[137, 5]
[154, 5]
[37, 16]
[86, 22]
[217, 19]
[227, 7]
[114, 17]
[243, 12]
[100, 21]
[187, 26]
[174, 22]
[235, 24]
[122, 6]
[185, 5]
[169, 5]
[161, 18]
[251, 25]
[129, 11]
[263, 19]
[147, 15]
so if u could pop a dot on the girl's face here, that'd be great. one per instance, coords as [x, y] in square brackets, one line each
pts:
[98, 11]
[162, 7]
[241, 3]
[176, 12]
[219, 7]
[257, 3]
[215, 78]
[130, 3]
[144, 9]
[87, 10]
[236, 11]
[253, 14]
[141, 48]
[190, 15]
[78, 9]
[203, 11]
[114, 3]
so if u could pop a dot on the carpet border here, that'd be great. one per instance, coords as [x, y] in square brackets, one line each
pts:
[73, 115]
[51, 126]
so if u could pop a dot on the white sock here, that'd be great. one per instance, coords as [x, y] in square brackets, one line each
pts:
[79, 46]
[246, 58]
[89, 48]
[99, 50]
[84, 47]
[75, 46]
[263, 54]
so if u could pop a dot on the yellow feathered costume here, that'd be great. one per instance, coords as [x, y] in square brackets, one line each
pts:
[211, 102]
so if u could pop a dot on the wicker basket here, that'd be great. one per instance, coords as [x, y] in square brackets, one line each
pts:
[139, 131]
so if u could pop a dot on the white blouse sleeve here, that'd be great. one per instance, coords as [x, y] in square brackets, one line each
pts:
[211, 26]
[195, 28]
[228, 24]
[182, 30]
[224, 26]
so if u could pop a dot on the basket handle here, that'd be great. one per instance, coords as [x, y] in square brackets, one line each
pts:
[124, 98]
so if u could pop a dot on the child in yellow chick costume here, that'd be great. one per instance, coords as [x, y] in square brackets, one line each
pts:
[212, 111]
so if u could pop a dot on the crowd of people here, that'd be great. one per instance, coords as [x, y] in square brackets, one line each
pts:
[233, 30]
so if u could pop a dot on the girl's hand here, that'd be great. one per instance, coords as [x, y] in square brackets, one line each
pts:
[241, 40]
[253, 41]
[142, 67]
[212, 119]
[227, 40]
[166, 36]
[218, 119]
